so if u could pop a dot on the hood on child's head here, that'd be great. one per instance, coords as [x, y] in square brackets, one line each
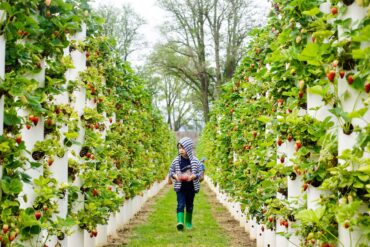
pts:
[187, 143]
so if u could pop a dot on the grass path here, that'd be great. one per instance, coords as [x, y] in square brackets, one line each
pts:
[156, 224]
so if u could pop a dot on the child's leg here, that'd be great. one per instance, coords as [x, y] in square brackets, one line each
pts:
[181, 201]
[189, 208]
[189, 201]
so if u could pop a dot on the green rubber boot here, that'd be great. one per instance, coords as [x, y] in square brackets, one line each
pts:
[180, 221]
[188, 220]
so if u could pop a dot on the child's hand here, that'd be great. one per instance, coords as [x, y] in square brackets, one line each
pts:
[191, 177]
[176, 177]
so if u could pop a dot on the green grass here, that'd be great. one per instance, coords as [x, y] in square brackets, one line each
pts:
[160, 229]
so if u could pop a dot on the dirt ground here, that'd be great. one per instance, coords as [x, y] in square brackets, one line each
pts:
[238, 237]
[141, 217]
[237, 234]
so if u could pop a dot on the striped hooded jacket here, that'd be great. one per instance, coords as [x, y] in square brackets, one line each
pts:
[187, 143]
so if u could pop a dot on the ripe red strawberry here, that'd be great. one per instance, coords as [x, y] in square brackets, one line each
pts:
[94, 232]
[95, 192]
[305, 186]
[18, 139]
[97, 126]
[290, 138]
[35, 120]
[286, 224]
[342, 73]
[57, 111]
[254, 134]
[279, 142]
[271, 219]
[334, 10]
[88, 155]
[110, 120]
[335, 63]
[298, 145]
[49, 122]
[5, 228]
[367, 87]
[50, 161]
[282, 159]
[37, 215]
[346, 224]
[331, 75]
[28, 126]
[350, 79]
[12, 236]
[300, 94]
[92, 157]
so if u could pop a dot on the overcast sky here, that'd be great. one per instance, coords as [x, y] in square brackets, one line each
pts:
[154, 17]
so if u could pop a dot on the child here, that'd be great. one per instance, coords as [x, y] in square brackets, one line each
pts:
[186, 173]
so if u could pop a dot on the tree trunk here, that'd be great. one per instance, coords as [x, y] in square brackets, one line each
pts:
[216, 36]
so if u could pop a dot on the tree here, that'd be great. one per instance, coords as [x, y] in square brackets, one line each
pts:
[122, 24]
[187, 41]
[204, 43]
[173, 97]
[229, 23]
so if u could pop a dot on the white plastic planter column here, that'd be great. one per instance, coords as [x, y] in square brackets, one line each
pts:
[280, 241]
[352, 238]
[78, 103]
[313, 196]
[351, 100]
[102, 237]
[253, 228]
[30, 137]
[260, 235]
[269, 238]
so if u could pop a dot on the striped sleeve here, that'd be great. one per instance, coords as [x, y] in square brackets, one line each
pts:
[173, 168]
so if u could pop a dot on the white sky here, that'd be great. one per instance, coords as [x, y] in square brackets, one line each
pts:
[154, 17]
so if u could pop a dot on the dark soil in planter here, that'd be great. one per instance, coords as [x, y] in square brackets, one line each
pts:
[37, 207]
[47, 131]
[348, 2]
[84, 151]
[348, 129]
[303, 106]
[293, 176]
[38, 155]
[283, 191]
[316, 183]
[291, 218]
[62, 194]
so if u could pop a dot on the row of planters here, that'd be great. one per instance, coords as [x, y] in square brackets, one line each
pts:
[290, 137]
[79, 133]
